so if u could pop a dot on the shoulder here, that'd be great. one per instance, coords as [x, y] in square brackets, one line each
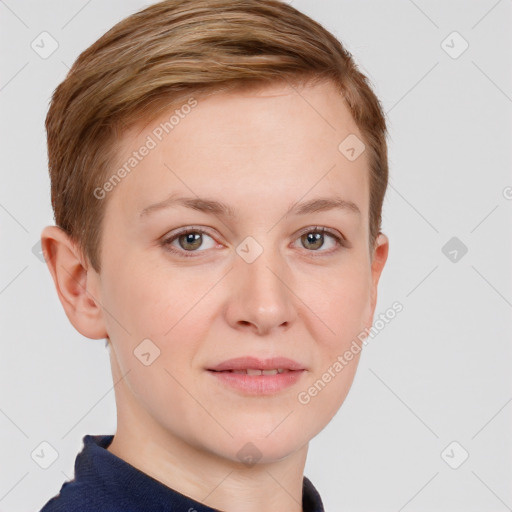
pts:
[77, 497]
[88, 491]
[70, 499]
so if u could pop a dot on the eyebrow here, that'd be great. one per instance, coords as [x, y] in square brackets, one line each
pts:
[220, 209]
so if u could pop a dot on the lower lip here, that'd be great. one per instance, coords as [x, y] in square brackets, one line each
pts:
[259, 384]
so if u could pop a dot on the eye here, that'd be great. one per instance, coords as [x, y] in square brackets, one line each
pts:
[314, 238]
[188, 240]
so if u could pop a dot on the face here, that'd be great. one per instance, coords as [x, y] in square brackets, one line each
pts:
[246, 268]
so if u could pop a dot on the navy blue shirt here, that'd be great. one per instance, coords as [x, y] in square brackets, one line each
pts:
[104, 482]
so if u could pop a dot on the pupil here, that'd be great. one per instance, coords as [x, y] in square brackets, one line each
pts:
[315, 239]
[194, 239]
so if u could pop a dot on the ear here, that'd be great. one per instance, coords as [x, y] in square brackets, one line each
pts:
[76, 282]
[378, 260]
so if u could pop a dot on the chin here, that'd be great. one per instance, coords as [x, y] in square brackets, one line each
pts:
[264, 448]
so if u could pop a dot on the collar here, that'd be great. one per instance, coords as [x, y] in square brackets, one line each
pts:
[105, 482]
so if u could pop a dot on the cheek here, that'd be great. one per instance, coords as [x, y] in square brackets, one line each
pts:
[339, 352]
[342, 304]
[343, 307]
[152, 301]
[165, 307]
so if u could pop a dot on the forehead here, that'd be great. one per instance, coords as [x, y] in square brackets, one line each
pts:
[246, 144]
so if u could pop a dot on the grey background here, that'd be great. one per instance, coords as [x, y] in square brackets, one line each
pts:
[439, 372]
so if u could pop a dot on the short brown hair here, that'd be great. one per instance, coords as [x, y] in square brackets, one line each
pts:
[171, 50]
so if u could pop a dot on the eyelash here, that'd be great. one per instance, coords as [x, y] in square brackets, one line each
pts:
[166, 243]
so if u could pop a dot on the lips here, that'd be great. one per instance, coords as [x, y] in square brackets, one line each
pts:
[254, 366]
[250, 376]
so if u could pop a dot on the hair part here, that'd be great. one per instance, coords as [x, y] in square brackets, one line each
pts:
[170, 51]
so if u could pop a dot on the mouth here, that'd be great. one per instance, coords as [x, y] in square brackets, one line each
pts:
[254, 366]
[253, 371]
[252, 376]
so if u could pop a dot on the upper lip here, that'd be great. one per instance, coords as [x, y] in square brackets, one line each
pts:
[248, 362]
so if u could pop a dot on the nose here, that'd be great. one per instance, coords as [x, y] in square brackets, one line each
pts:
[261, 298]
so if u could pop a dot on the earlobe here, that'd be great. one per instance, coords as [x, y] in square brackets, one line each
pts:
[71, 277]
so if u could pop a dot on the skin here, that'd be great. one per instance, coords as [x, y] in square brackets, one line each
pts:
[261, 152]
